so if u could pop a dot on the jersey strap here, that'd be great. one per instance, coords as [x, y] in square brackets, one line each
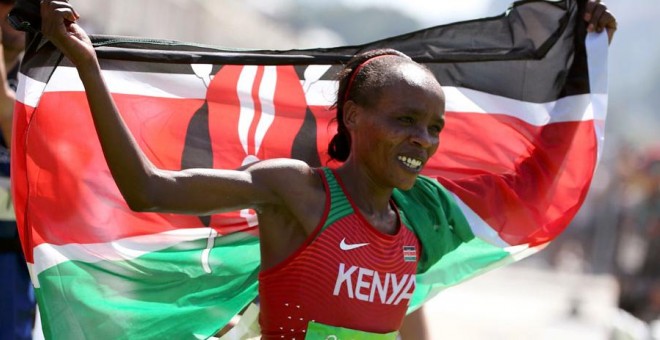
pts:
[339, 203]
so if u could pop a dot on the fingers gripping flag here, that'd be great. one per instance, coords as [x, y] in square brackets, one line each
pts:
[526, 102]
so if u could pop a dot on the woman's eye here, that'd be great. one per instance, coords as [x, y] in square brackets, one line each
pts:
[435, 129]
[406, 120]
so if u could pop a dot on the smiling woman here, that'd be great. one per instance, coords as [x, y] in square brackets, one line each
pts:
[390, 111]
[344, 250]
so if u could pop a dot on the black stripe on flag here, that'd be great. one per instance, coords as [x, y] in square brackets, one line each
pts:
[480, 54]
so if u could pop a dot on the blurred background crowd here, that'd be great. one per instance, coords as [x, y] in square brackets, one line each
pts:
[607, 263]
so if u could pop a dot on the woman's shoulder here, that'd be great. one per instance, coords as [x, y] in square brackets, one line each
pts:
[276, 167]
[290, 175]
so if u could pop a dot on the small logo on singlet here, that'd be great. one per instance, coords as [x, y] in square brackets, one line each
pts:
[409, 253]
[345, 246]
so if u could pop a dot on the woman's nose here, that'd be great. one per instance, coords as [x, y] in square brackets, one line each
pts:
[422, 137]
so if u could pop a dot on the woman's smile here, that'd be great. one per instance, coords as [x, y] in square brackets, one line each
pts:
[411, 163]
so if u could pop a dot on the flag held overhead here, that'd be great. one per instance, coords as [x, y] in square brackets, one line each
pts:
[515, 161]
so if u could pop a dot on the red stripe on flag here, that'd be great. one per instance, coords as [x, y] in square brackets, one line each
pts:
[290, 109]
[525, 181]
[72, 196]
[224, 112]
[19, 188]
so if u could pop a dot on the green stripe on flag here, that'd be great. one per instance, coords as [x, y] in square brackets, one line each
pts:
[164, 294]
[469, 259]
[451, 253]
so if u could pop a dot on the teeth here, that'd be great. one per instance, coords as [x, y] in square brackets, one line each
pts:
[410, 162]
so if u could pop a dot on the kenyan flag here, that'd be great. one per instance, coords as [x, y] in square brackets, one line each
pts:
[526, 102]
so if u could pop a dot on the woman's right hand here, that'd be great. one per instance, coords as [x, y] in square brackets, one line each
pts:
[58, 24]
[599, 18]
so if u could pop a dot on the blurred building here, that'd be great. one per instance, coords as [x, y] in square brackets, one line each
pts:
[213, 22]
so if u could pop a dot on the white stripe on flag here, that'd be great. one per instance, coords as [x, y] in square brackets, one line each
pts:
[29, 90]
[572, 108]
[267, 98]
[244, 92]
[165, 85]
[320, 92]
[567, 109]
[479, 227]
[597, 45]
[49, 255]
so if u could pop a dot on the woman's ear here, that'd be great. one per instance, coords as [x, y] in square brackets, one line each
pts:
[351, 113]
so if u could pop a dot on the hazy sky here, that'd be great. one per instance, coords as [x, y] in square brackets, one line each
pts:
[440, 12]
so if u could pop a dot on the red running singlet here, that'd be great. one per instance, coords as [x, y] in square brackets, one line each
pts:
[347, 274]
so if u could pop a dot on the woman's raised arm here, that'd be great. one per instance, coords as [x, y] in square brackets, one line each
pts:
[143, 186]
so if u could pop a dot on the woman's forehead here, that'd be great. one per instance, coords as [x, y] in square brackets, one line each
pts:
[413, 74]
[411, 77]
[410, 95]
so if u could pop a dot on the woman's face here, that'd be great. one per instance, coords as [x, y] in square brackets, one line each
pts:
[394, 138]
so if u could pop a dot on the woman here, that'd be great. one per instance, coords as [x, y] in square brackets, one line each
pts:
[390, 116]
[331, 240]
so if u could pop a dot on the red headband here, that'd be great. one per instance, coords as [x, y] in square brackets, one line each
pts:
[357, 70]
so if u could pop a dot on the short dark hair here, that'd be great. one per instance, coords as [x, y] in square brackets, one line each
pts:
[7, 2]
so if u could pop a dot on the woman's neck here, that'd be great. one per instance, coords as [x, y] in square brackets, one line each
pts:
[370, 196]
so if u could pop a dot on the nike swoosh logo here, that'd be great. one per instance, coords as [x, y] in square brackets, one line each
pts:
[345, 246]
